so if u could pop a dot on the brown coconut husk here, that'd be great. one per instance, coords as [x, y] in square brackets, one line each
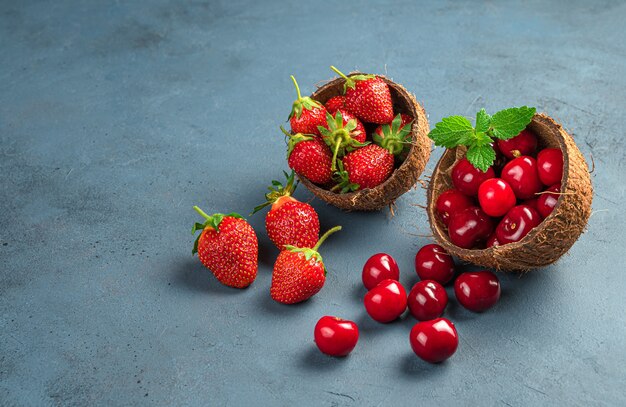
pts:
[546, 243]
[404, 177]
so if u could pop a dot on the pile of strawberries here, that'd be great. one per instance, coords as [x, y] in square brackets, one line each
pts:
[330, 144]
[503, 204]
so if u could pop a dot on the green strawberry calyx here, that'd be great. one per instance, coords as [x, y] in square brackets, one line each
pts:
[295, 139]
[338, 137]
[351, 80]
[278, 190]
[313, 253]
[342, 178]
[212, 221]
[394, 138]
[301, 102]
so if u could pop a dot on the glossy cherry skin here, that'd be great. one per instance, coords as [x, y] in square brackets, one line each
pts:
[432, 262]
[517, 223]
[386, 302]
[493, 240]
[531, 202]
[547, 202]
[496, 197]
[335, 336]
[477, 291]
[550, 166]
[434, 341]
[451, 202]
[466, 178]
[524, 143]
[469, 227]
[379, 267]
[521, 174]
[427, 300]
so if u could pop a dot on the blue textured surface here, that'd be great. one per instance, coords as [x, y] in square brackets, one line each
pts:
[116, 118]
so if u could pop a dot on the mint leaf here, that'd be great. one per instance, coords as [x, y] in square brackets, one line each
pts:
[483, 120]
[481, 157]
[452, 131]
[509, 123]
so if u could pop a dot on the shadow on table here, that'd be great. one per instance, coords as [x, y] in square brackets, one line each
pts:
[191, 275]
[312, 359]
[412, 366]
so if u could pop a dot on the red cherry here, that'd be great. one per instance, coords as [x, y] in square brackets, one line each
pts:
[379, 267]
[386, 302]
[521, 174]
[496, 197]
[335, 336]
[517, 223]
[524, 143]
[434, 341]
[550, 166]
[469, 227]
[531, 202]
[432, 262]
[467, 178]
[547, 202]
[477, 291]
[451, 202]
[493, 240]
[427, 300]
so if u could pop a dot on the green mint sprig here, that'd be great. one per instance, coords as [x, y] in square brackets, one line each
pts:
[456, 131]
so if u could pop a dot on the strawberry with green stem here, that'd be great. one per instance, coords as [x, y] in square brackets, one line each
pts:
[228, 246]
[306, 114]
[395, 137]
[342, 133]
[309, 156]
[367, 97]
[289, 221]
[299, 273]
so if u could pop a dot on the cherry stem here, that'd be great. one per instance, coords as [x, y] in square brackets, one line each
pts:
[325, 236]
[297, 87]
[333, 166]
[201, 212]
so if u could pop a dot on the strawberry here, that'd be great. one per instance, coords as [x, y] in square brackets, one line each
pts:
[309, 156]
[363, 168]
[289, 221]
[396, 136]
[228, 247]
[299, 273]
[367, 97]
[306, 114]
[334, 103]
[342, 133]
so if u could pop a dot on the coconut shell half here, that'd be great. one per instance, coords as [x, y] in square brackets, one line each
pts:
[546, 243]
[405, 176]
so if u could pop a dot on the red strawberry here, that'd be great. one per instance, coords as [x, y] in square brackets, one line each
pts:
[367, 97]
[289, 221]
[228, 247]
[334, 103]
[309, 156]
[396, 136]
[299, 273]
[342, 133]
[365, 167]
[306, 114]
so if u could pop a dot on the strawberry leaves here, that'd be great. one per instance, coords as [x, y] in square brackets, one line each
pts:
[394, 138]
[301, 102]
[456, 131]
[212, 221]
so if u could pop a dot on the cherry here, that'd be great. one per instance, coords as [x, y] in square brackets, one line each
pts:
[451, 202]
[550, 166]
[524, 143]
[531, 202]
[379, 267]
[547, 201]
[467, 178]
[335, 336]
[521, 174]
[469, 227]
[493, 240]
[517, 223]
[496, 197]
[434, 341]
[386, 302]
[477, 291]
[427, 300]
[432, 262]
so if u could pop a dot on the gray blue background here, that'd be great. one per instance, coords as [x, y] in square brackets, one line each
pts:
[117, 117]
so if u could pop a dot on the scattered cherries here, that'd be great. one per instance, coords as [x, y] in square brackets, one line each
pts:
[477, 291]
[427, 300]
[434, 341]
[379, 267]
[335, 336]
[386, 302]
[432, 262]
